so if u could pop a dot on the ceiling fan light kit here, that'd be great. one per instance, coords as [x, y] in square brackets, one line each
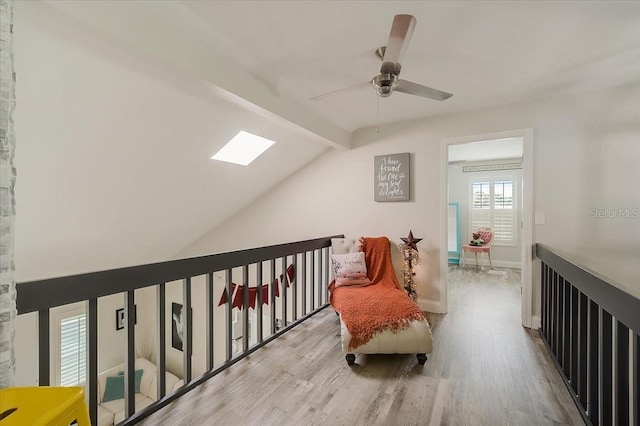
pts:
[385, 84]
[391, 55]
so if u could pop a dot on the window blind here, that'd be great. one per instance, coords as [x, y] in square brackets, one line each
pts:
[73, 350]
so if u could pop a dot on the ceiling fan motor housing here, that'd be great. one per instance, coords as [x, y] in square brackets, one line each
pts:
[385, 84]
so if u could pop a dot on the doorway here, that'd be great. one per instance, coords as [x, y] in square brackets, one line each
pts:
[500, 163]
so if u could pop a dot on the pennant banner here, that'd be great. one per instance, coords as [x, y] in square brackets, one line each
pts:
[237, 291]
[291, 275]
[223, 299]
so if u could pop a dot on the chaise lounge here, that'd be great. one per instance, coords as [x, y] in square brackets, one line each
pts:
[376, 315]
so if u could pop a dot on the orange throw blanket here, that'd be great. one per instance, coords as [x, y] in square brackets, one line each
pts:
[383, 305]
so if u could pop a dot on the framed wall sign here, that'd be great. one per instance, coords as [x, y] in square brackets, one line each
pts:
[177, 326]
[391, 177]
[120, 323]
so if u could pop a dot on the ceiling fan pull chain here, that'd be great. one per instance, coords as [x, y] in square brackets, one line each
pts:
[377, 114]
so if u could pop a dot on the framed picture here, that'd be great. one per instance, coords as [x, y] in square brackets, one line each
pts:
[391, 177]
[120, 317]
[177, 329]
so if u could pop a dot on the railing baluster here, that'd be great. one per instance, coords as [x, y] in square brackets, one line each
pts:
[320, 277]
[556, 311]
[567, 336]
[545, 299]
[294, 290]
[622, 374]
[210, 322]
[228, 308]
[304, 283]
[327, 258]
[44, 347]
[566, 361]
[161, 333]
[285, 288]
[606, 385]
[574, 338]
[563, 329]
[130, 355]
[313, 280]
[550, 306]
[245, 308]
[636, 380]
[582, 348]
[187, 329]
[259, 301]
[92, 357]
[593, 379]
[272, 296]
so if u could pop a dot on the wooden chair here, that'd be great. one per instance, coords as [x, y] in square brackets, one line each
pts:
[486, 235]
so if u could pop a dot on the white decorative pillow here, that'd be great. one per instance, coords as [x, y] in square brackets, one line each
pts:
[350, 265]
[344, 245]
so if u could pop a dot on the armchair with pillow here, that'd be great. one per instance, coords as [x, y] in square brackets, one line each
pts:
[111, 390]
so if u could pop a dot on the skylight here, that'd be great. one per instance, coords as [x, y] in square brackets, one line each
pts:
[243, 149]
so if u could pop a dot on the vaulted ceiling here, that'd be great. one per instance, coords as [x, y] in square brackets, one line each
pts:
[121, 104]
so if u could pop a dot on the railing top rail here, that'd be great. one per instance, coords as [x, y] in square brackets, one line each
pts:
[48, 293]
[606, 293]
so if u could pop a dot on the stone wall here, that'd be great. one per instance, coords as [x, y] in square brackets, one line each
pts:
[7, 200]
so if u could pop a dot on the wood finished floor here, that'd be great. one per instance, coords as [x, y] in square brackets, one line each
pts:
[486, 369]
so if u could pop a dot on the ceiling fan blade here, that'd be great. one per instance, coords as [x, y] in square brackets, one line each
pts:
[399, 39]
[340, 91]
[411, 88]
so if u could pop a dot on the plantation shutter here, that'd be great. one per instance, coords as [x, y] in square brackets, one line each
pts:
[73, 350]
[503, 212]
[480, 205]
[493, 206]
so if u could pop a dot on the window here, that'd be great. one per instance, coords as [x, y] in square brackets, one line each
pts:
[493, 206]
[243, 148]
[73, 349]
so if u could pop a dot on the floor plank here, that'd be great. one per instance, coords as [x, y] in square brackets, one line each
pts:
[486, 369]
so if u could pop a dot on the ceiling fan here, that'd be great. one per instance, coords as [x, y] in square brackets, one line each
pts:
[391, 55]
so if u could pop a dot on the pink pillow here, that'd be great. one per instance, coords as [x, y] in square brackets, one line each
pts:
[356, 279]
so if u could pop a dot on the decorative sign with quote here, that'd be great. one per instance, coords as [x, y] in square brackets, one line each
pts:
[391, 177]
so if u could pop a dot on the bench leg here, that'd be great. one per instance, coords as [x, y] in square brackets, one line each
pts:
[422, 358]
[351, 359]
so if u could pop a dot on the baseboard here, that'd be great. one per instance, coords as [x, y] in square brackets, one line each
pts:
[496, 264]
[470, 261]
[506, 264]
[535, 322]
[430, 306]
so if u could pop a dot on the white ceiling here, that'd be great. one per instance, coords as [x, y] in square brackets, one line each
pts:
[484, 52]
[277, 54]
[121, 104]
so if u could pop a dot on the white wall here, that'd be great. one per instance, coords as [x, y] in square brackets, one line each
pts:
[585, 156]
[113, 162]
[459, 192]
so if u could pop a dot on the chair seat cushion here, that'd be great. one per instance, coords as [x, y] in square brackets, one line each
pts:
[476, 249]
